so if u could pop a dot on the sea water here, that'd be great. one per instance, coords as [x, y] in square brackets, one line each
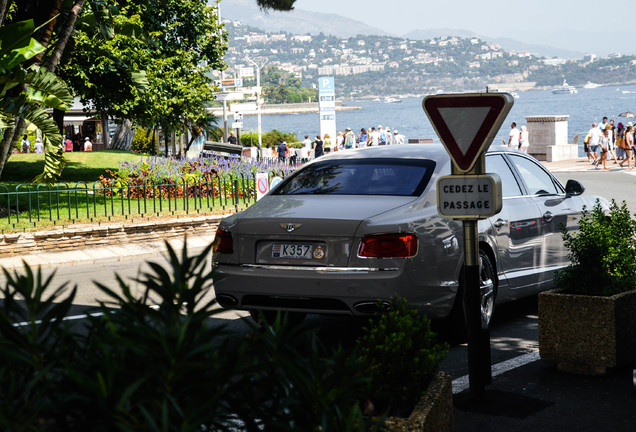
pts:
[584, 107]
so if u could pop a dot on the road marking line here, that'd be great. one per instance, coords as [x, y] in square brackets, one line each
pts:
[71, 318]
[460, 384]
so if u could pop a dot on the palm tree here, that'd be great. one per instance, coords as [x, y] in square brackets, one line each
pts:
[26, 93]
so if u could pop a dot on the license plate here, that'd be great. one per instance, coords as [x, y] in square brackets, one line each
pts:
[293, 251]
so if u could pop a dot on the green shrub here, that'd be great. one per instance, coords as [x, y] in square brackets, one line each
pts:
[403, 356]
[602, 253]
[269, 139]
[144, 141]
[159, 361]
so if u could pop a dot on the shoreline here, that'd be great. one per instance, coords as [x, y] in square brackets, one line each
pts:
[272, 109]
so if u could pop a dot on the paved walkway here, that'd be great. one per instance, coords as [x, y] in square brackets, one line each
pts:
[103, 254]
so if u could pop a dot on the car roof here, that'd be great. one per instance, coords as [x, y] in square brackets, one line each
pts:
[435, 151]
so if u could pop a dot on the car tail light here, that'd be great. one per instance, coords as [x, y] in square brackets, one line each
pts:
[388, 246]
[223, 242]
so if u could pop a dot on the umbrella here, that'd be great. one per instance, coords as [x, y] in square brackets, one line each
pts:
[627, 114]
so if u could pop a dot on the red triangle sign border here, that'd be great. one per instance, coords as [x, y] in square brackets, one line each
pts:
[499, 105]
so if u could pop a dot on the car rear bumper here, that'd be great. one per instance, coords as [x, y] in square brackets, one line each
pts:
[325, 290]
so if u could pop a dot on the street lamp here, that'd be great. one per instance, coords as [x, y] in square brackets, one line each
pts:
[258, 99]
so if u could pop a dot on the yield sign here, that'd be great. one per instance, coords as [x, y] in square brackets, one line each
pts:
[467, 123]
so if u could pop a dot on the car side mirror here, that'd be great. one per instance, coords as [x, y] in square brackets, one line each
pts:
[574, 188]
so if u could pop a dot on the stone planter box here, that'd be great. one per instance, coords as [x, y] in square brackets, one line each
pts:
[433, 412]
[587, 334]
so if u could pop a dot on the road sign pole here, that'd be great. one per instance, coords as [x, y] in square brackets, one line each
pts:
[225, 133]
[467, 124]
[479, 368]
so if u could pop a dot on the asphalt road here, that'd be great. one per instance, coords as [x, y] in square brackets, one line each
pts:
[619, 185]
[514, 332]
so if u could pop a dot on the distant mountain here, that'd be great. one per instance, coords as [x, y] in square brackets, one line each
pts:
[296, 21]
[303, 22]
[506, 43]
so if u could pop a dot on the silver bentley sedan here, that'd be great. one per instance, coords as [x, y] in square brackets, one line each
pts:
[347, 231]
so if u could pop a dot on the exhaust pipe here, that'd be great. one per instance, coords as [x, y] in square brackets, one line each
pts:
[226, 300]
[371, 307]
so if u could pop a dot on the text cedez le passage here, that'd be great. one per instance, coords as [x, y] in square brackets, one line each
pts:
[466, 204]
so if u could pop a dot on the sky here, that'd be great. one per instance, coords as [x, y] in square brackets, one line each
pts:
[581, 25]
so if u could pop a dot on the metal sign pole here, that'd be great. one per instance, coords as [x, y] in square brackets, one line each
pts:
[479, 368]
[225, 134]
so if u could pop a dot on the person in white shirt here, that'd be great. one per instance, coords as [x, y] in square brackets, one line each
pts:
[513, 140]
[38, 146]
[389, 136]
[595, 142]
[304, 153]
[524, 143]
[307, 143]
[88, 145]
[398, 138]
[374, 137]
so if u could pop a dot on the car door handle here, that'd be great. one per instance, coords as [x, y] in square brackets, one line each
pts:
[499, 223]
[548, 216]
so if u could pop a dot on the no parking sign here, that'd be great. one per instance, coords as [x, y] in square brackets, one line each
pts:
[262, 185]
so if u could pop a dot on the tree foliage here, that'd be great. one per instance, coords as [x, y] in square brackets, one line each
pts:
[170, 45]
[26, 93]
[280, 86]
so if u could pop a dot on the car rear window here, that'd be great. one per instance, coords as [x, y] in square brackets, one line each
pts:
[360, 177]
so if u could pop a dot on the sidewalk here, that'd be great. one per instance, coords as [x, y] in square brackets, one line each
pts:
[537, 397]
[103, 254]
[579, 164]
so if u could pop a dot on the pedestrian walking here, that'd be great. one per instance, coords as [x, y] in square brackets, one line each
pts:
[349, 139]
[524, 142]
[282, 151]
[398, 138]
[604, 143]
[628, 147]
[363, 138]
[319, 148]
[513, 139]
[38, 147]
[595, 143]
[25, 144]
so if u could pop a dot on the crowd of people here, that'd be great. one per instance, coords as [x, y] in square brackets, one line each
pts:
[67, 144]
[344, 141]
[518, 138]
[608, 141]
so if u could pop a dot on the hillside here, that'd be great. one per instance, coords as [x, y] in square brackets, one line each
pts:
[370, 66]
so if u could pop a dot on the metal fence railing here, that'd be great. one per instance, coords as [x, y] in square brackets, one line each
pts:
[27, 205]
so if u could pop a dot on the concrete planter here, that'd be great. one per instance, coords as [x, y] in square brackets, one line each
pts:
[433, 412]
[587, 334]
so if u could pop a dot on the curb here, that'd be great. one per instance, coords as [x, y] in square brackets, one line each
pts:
[105, 243]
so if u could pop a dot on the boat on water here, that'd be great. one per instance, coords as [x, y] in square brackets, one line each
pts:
[376, 100]
[565, 88]
[514, 94]
[589, 85]
[392, 100]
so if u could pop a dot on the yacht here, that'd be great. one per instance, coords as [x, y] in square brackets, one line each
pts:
[392, 100]
[565, 88]
[590, 84]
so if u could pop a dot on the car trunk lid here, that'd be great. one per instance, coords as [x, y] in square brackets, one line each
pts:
[309, 230]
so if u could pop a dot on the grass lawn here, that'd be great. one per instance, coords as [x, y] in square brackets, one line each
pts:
[80, 166]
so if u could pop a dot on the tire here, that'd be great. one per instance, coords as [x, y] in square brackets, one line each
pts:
[269, 316]
[487, 289]
[487, 298]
